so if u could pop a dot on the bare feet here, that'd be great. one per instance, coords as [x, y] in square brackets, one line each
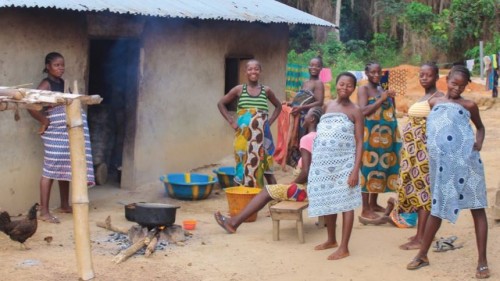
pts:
[378, 208]
[369, 214]
[412, 245]
[65, 210]
[339, 254]
[326, 245]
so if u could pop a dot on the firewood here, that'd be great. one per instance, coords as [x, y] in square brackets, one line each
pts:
[107, 225]
[151, 246]
[122, 256]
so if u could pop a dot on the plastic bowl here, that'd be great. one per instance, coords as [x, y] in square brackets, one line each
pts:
[189, 224]
[225, 175]
[188, 186]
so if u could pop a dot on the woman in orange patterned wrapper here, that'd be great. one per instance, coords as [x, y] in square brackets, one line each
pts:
[295, 191]
[382, 142]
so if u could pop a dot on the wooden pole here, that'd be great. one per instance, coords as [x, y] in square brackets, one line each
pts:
[79, 198]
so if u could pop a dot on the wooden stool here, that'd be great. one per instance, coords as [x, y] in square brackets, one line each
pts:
[288, 210]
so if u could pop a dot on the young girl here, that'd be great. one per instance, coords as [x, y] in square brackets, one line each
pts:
[414, 187]
[53, 130]
[456, 169]
[253, 145]
[311, 94]
[336, 160]
[295, 191]
[382, 142]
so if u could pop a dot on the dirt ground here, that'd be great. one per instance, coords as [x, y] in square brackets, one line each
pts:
[251, 254]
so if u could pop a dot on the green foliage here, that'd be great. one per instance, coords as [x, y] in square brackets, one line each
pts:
[384, 50]
[440, 31]
[469, 17]
[419, 17]
[490, 47]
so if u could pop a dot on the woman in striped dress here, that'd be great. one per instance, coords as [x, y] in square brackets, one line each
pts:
[253, 144]
[53, 130]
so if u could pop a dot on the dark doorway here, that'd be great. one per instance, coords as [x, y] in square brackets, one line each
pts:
[235, 69]
[113, 74]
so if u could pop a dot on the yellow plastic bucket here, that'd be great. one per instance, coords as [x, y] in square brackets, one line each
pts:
[238, 198]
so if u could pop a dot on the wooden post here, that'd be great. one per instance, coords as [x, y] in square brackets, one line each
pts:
[79, 198]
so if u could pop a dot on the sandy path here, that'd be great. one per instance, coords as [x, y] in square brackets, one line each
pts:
[251, 254]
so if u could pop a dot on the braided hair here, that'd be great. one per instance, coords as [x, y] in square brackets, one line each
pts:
[316, 111]
[433, 66]
[370, 64]
[460, 69]
[49, 58]
[320, 59]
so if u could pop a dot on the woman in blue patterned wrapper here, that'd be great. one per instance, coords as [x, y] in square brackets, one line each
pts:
[253, 143]
[53, 130]
[333, 181]
[456, 169]
[382, 142]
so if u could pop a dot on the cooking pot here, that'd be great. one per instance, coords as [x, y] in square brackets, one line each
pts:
[130, 212]
[154, 214]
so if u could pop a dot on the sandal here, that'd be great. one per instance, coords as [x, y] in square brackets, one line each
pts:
[446, 244]
[417, 263]
[49, 219]
[483, 272]
[224, 222]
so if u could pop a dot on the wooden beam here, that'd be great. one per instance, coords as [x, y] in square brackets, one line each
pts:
[80, 199]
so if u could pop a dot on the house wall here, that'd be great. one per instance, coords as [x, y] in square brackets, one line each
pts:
[178, 125]
[26, 36]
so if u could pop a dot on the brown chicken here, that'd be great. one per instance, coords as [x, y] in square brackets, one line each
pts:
[20, 230]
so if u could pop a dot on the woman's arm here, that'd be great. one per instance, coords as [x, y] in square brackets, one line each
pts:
[277, 105]
[232, 95]
[363, 100]
[306, 164]
[39, 115]
[319, 97]
[476, 119]
[359, 120]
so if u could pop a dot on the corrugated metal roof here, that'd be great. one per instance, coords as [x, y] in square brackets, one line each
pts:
[266, 11]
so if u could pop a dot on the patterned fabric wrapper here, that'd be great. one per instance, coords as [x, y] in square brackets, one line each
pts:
[56, 161]
[287, 192]
[253, 147]
[414, 187]
[333, 156]
[456, 169]
[381, 145]
[295, 75]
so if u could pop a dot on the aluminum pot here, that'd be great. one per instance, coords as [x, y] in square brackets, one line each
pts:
[155, 214]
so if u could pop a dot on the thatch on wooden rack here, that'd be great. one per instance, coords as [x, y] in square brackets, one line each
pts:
[15, 98]
[12, 98]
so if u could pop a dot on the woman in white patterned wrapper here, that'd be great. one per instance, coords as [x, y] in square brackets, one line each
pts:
[333, 182]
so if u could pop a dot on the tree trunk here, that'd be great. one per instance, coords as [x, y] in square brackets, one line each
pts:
[338, 6]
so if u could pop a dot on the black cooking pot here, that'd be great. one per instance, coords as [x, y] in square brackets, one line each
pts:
[154, 214]
[130, 212]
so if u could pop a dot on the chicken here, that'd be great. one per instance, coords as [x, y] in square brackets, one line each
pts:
[20, 230]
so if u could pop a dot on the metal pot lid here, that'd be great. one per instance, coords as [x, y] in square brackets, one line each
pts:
[157, 205]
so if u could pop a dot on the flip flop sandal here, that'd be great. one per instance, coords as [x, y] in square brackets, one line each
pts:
[483, 272]
[379, 221]
[449, 240]
[50, 219]
[442, 246]
[417, 263]
[223, 222]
